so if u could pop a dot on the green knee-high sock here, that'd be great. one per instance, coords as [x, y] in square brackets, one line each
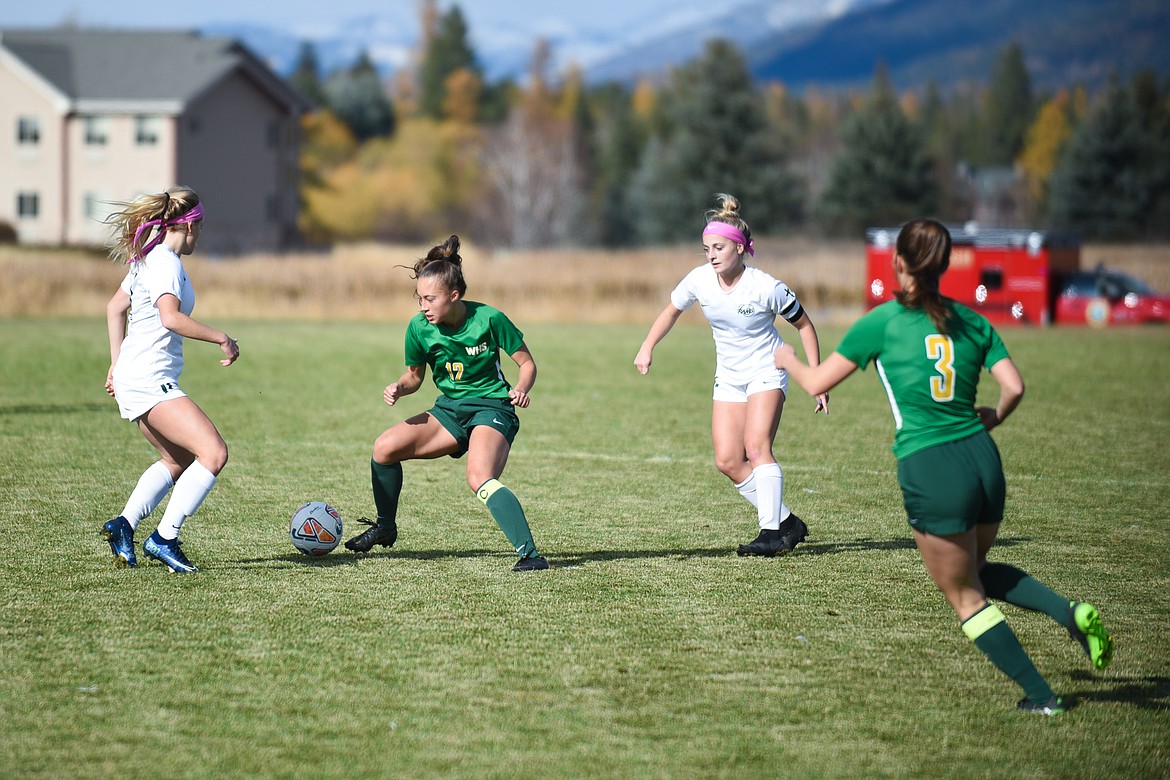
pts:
[1015, 586]
[509, 515]
[386, 479]
[991, 634]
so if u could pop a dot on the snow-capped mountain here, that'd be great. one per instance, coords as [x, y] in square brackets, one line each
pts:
[661, 34]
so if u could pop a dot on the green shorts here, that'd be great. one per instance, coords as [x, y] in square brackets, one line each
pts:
[949, 488]
[460, 415]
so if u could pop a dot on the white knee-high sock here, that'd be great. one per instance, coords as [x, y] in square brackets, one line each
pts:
[770, 492]
[148, 493]
[747, 489]
[190, 490]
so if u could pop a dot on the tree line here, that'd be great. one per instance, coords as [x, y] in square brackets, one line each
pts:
[554, 161]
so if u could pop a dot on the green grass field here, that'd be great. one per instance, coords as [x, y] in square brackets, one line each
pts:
[650, 649]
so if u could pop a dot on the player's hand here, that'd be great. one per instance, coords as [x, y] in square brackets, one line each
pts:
[988, 416]
[110, 382]
[519, 398]
[822, 404]
[231, 350]
[642, 360]
[392, 393]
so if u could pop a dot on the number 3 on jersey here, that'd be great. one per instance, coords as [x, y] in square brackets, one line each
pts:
[941, 350]
[454, 370]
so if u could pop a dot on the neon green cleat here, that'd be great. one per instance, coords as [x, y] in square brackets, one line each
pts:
[1090, 632]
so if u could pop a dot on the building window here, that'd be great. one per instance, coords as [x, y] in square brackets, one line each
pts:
[97, 131]
[28, 205]
[146, 130]
[28, 130]
[91, 206]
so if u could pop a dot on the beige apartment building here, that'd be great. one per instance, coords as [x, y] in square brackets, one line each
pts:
[89, 117]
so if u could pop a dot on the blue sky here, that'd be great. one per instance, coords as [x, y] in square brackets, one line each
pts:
[306, 16]
[583, 31]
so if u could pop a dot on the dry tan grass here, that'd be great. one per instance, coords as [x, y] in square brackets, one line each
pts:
[568, 285]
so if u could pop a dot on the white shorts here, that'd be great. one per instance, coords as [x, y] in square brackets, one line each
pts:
[737, 391]
[135, 401]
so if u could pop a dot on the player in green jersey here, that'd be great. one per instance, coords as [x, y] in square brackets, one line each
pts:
[475, 415]
[929, 352]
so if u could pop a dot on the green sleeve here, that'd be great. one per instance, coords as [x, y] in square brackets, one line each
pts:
[507, 335]
[996, 351]
[864, 340]
[415, 352]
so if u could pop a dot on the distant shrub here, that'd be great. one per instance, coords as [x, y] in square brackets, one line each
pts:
[7, 233]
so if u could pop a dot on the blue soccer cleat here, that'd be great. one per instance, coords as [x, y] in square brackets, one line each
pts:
[121, 538]
[168, 553]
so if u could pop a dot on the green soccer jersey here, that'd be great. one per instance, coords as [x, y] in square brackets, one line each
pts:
[465, 361]
[930, 377]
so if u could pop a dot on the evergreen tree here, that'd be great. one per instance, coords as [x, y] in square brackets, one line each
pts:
[358, 99]
[618, 142]
[713, 136]
[883, 174]
[306, 75]
[447, 50]
[1009, 108]
[1114, 178]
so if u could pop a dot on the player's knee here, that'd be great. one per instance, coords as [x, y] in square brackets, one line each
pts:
[215, 458]
[759, 454]
[476, 478]
[729, 467]
[386, 449]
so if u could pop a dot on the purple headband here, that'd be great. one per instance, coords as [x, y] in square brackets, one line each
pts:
[193, 215]
[732, 232]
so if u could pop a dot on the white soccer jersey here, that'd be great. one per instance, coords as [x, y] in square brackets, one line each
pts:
[743, 319]
[151, 354]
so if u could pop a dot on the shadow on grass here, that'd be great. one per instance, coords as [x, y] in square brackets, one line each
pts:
[899, 543]
[347, 558]
[806, 548]
[577, 559]
[1146, 693]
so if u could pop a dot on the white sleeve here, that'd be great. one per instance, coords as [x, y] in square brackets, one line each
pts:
[684, 296]
[785, 304]
[163, 274]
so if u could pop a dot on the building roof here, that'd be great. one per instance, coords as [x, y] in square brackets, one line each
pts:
[92, 67]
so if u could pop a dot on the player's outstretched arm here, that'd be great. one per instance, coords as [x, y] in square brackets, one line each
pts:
[662, 325]
[815, 380]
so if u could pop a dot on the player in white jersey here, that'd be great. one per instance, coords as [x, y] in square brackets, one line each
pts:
[742, 303]
[148, 318]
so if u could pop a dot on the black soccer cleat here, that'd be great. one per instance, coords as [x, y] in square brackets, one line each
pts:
[1054, 706]
[773, 543]
[377, 533]
[531, 563]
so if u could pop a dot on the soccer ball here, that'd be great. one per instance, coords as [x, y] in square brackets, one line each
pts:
[315, 528]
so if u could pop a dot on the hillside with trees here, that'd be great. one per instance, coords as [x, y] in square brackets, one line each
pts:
[552, 160]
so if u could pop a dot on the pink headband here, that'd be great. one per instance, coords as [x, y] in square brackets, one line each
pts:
[732, 232]
[193, 215]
